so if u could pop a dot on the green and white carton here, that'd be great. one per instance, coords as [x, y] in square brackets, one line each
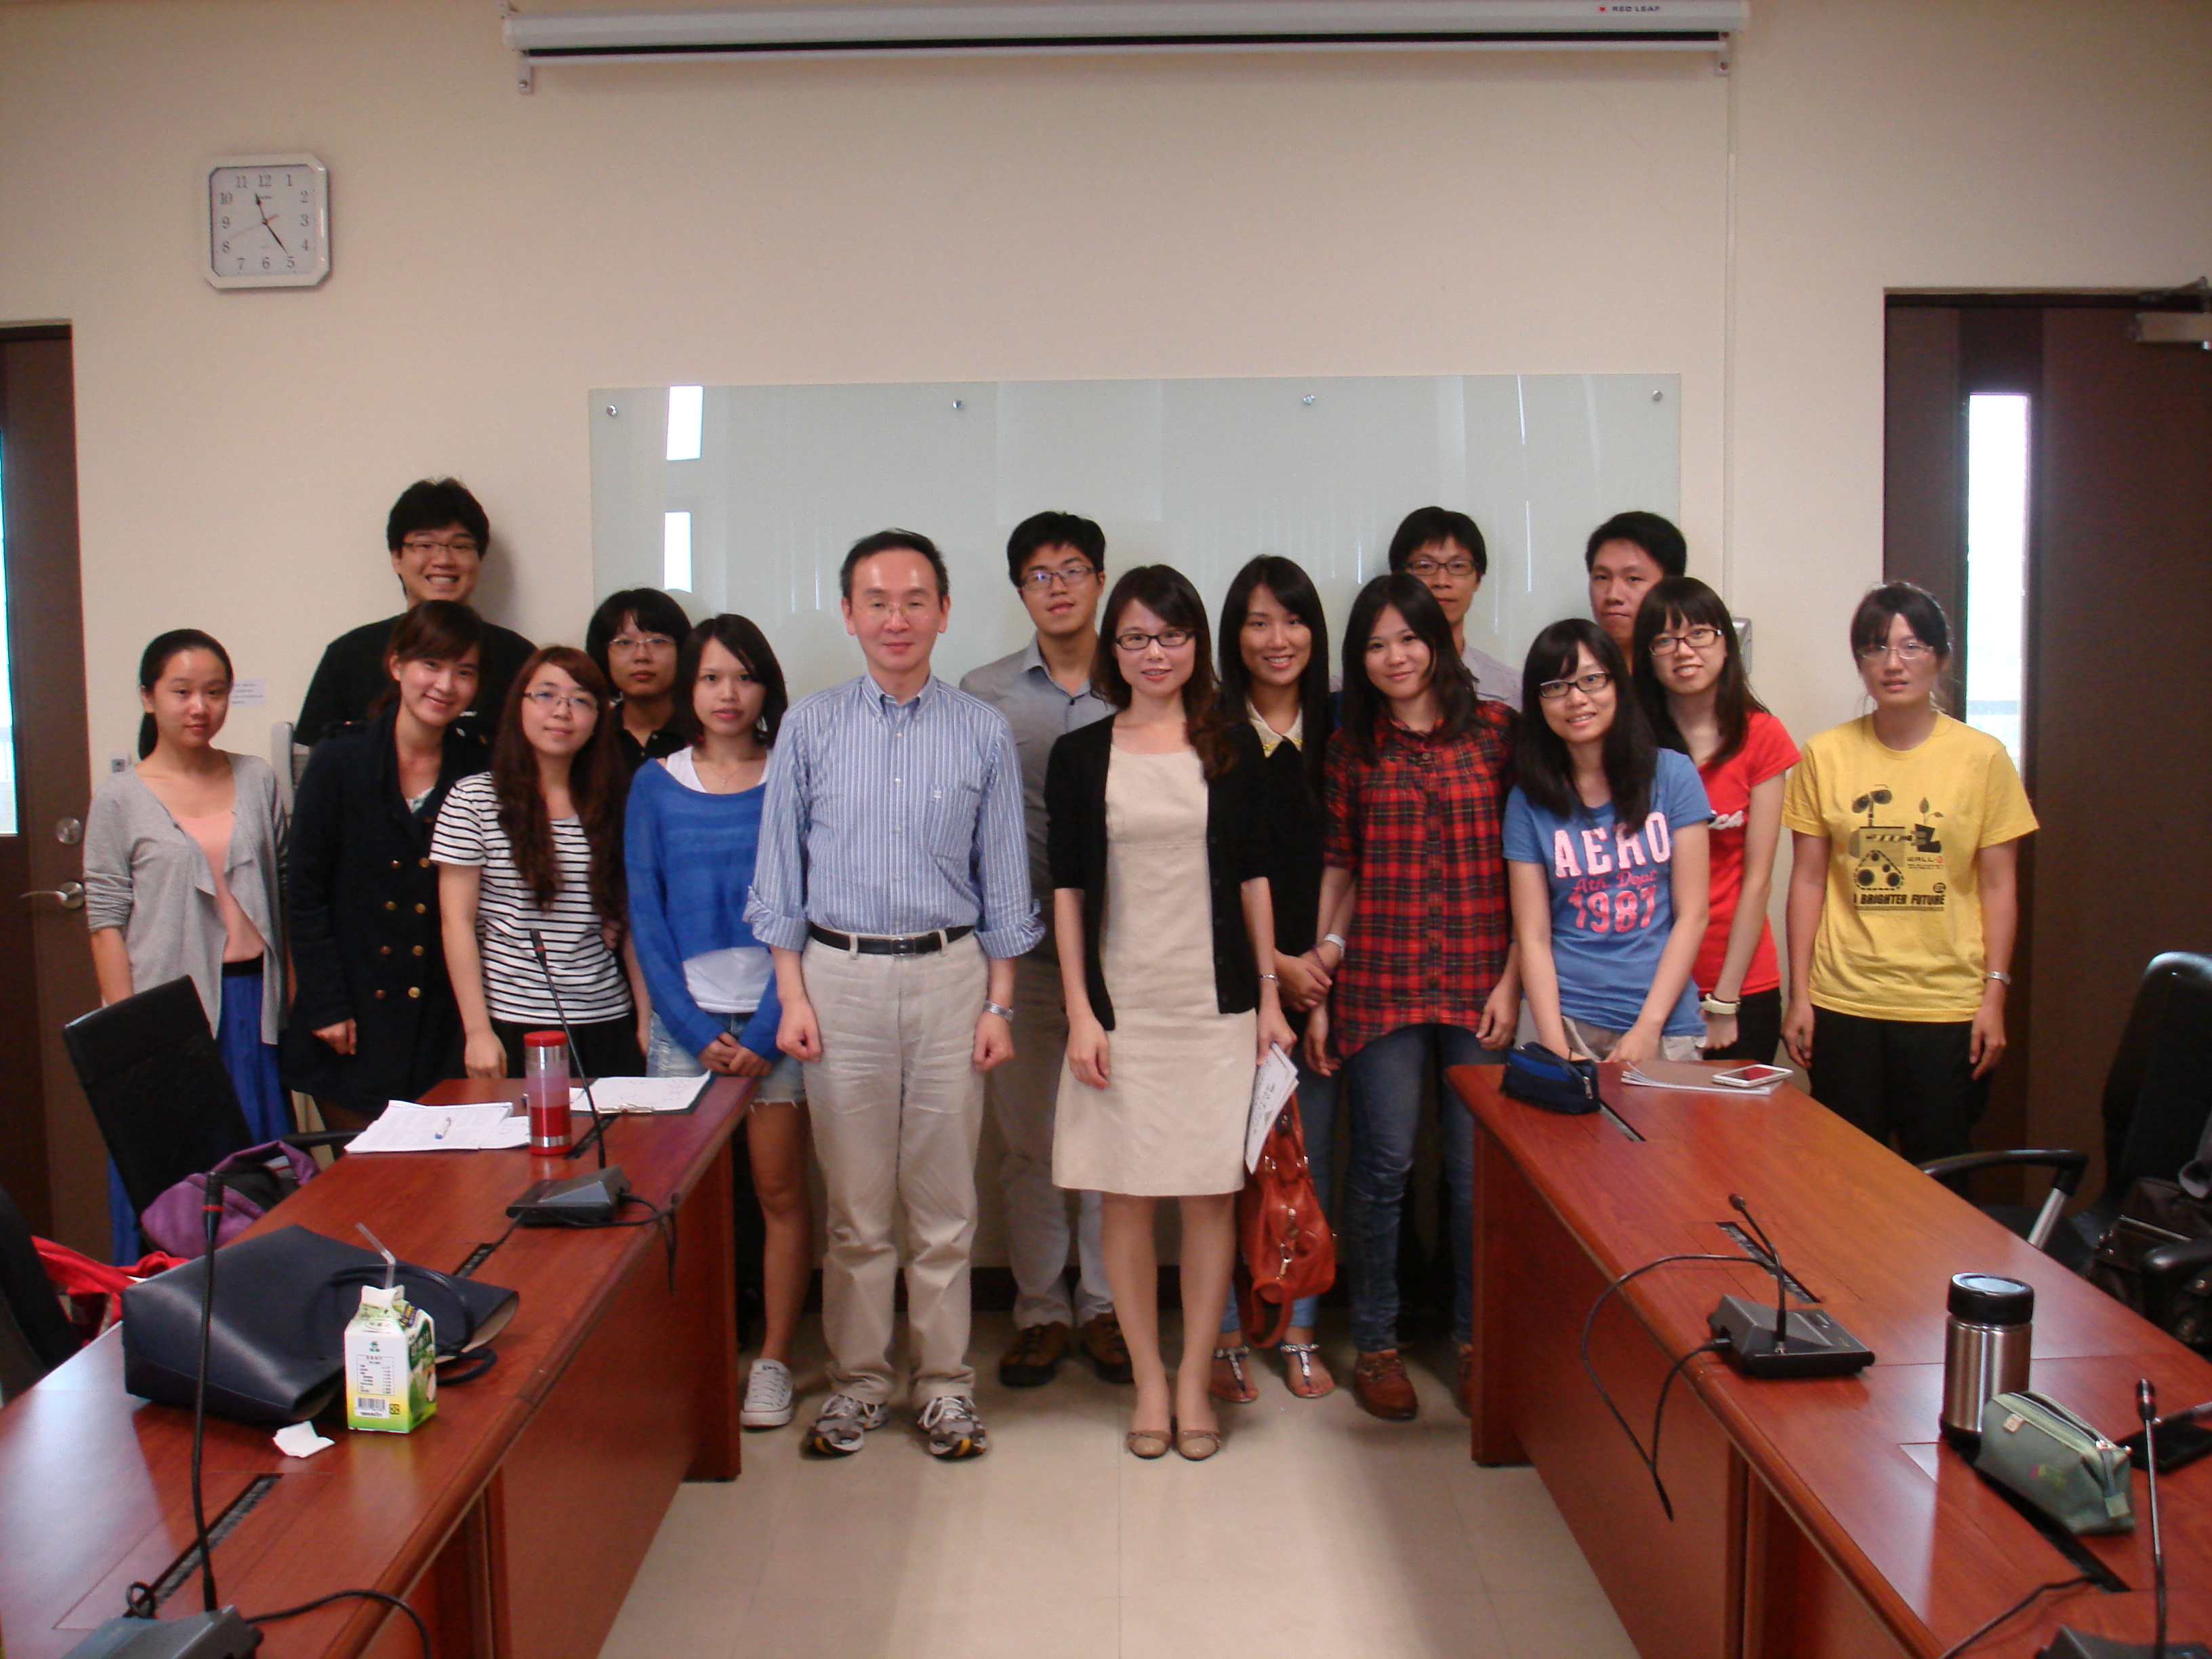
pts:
[391, 1364]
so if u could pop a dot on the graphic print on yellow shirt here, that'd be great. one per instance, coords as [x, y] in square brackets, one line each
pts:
[1900, 931]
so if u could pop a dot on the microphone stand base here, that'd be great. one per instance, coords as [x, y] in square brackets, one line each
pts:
[1816, 1345]
[222, 1635]
[2073, 1645]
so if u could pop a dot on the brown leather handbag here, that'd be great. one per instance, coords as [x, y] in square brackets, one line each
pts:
[1288, 1249]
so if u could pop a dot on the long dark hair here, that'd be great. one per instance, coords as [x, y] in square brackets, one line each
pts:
[157, 657]
[737, 636]
[1294, 591]
[1167, 593]
[1365, 708]
[1672, 605]
[597, 782]
[1542, 765]
[436, 631]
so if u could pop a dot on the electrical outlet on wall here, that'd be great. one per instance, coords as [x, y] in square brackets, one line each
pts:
[117, 763]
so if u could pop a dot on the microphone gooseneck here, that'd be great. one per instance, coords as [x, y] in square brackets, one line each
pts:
[1774, 1258]
[2147, 1408]
[598, 1134]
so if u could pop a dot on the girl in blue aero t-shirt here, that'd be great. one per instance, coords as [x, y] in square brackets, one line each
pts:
[1605, 850]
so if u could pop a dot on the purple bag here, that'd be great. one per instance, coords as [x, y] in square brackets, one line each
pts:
[255, 1182]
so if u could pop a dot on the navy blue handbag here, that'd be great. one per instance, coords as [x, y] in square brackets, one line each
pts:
[1536, 1074]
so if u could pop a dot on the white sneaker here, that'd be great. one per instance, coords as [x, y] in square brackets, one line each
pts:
[767, 1395]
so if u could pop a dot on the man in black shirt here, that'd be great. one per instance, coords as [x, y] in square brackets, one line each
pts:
[438, 535]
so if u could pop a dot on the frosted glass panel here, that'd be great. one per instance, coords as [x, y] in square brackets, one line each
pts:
[1202, 474]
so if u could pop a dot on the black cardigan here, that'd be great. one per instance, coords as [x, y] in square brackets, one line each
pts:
[361, 900]
[1236, 853]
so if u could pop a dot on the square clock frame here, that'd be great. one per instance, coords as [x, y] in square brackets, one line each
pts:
[268, 222]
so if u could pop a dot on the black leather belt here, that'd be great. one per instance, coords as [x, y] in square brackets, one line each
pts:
[873, 944]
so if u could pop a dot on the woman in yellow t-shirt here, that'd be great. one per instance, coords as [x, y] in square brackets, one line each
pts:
[1903, 894]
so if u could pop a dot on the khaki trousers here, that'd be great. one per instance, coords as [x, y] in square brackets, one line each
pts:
[897, 1106]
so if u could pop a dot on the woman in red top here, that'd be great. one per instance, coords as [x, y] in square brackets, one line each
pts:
[1700, 702]
[1416, 940]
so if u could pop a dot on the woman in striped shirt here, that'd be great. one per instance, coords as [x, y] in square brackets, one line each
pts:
[536, 845]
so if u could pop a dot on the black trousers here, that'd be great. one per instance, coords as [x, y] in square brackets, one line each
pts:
[1758, 1029]
[1904, 1078]
[604, 1048]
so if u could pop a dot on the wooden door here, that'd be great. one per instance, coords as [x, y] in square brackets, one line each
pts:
[50, 1159]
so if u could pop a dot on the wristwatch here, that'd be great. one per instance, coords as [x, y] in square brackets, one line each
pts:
[1000, 1010]
[1715, 1005]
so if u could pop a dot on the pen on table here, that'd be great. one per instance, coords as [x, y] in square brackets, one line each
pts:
[443, 1127]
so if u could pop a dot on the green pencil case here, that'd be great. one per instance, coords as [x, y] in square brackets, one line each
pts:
[2035, 1447]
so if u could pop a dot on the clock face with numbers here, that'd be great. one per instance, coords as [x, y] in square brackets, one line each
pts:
[268, 222]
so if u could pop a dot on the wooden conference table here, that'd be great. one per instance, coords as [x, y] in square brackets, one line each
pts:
[514, 1521]
[1815, 1516]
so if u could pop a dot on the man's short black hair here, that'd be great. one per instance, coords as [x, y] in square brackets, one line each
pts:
[883, 542]
[653, 611]
[1053, 530]
[431, 504]
[1424, 526]
[1655, 535]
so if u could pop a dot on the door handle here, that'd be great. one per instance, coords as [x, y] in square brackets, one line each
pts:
[70, 895]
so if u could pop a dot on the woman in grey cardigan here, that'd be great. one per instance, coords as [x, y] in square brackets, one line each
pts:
[182, 853]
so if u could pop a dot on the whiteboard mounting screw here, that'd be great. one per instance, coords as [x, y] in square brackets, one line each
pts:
[1658, 396]
[612, 412]
[1307, 399]
[958, 404]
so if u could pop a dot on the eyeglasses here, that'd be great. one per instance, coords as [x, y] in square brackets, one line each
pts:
[1589, 685]
[650, 644]
[1697, 639]
[1068, 576]
[1167, 639]
[581, 702]
[916, 609]
[426, 545]
[1425, 567]
[1906, 650]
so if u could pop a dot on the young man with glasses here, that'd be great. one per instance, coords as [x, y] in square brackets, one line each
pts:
[892, 884]
[438, 535]
[1057, 563]
[634, 636]
[1445, 550]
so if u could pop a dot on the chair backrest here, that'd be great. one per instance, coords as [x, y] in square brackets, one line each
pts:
[27, 1297]
[2158, 1095]
[158, 1090]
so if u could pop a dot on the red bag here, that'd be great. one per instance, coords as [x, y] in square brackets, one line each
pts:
[92, 1292]
[1288, 1249]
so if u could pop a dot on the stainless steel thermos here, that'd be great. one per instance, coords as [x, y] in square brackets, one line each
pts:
[1987, 1343]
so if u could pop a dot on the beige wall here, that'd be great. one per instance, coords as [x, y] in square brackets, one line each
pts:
[497, 255]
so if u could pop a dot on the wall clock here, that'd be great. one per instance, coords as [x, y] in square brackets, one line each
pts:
[268, 222]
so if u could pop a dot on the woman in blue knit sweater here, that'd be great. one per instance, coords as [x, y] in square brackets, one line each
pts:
[691, 834]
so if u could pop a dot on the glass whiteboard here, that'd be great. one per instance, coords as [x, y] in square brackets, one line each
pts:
[776, 482]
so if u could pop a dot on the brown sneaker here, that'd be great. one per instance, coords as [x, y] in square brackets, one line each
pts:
[1035, 1357]
[1104, 1347]
[1381, 1386]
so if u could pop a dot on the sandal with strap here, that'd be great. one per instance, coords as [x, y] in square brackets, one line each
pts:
[1300, 1375]
[1229, 1380]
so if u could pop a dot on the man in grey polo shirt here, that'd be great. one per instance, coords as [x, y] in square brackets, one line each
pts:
[1445, 549]
[1057, 561]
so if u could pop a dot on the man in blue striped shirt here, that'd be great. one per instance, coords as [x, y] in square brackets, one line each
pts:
[893, 886]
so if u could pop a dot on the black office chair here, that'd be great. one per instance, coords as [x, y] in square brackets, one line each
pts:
[37, 1334]
[2157, 1096]
[159, 1091]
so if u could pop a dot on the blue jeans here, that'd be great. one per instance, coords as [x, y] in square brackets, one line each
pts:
[1387, 1076]
[1317, 1123]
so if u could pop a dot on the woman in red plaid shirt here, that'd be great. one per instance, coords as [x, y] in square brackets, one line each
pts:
[1419, 940]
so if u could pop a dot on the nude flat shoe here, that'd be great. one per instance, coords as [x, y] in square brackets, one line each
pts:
[1197, 1444]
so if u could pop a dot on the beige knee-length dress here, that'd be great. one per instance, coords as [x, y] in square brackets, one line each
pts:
[1171, 1122]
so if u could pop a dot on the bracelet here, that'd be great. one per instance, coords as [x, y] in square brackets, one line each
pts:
[1000, 1010]
[1337, 939]
[1277, 978]
[1716, 1006]
[2001, 977]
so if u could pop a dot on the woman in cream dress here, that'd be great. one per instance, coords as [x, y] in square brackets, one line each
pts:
[1162, 911]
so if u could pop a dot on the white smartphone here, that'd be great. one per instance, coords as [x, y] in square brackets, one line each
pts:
[1751, 1077]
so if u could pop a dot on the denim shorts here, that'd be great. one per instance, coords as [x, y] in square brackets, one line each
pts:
[666, 1057]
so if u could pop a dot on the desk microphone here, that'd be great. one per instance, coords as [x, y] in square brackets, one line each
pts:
[1760, 1343]
[587, 1201]
[2071, 1643]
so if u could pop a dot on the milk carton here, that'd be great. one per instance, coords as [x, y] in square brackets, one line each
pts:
[391, 1364]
